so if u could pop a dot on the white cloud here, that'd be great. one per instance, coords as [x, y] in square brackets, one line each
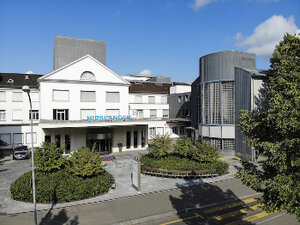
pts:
[145, 72]
[29, 72]
[267, 34]
[200, 3]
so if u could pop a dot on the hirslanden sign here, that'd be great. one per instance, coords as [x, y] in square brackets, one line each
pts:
[108, 118]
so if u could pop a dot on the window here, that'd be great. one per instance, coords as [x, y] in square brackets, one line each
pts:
[182, 130]
[143, 138]
[5, 138]
[112, 112]
[68, 143]
[87, 112]
[139, 113]
[186, 98]
[152, 113]
[17, 97]
[216, 142]
[128, 139]
[18, 138]
[28, 138]
[165, 113]
[164, 100]
[60, 114]
[228, 102]
[228, 144]
[138, 99]
[57, 140]
[2, 115]
[35, 96]
[175, 130]
[151, 99]
[87, 75]
[48, 138]
[87, 96]
[179, 98]
[17, 114]
[60, 95]
[152, 131]
[113, 97]
[2, 96]
[135, 139]
[160, 131]
[34, 114]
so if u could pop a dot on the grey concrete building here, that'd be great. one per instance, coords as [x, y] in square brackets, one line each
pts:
[67, 49]
[227, 83]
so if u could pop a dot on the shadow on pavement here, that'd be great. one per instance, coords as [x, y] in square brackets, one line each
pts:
[199, 195]
[59, 218]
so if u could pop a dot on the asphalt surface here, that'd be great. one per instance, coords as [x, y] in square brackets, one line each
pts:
[157, 208]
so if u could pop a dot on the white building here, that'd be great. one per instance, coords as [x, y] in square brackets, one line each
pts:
[83, 104]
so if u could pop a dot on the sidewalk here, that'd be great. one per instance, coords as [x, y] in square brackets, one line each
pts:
[121, 169]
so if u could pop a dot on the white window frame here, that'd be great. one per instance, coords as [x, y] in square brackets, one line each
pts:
[17, 100]
[17, 119]
[110, 92]
[138, 99]
[34, 114]
[60, 112]
[150, 101]
[55, 100]
[186, 98]
[28, 138]
[153, 115]
[92, 100]
[3, 115]
[180, 98]
[152, 131]
[165, 115]
[3, 94]
[139, 115]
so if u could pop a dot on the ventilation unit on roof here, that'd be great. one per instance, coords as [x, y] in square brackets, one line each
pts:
[10, 81]
[26, 77]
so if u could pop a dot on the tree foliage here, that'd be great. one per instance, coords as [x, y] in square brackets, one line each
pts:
[274, 131]
[184, 147]
[85, 163]
[205, 152]
[49, 158]
[160, 146]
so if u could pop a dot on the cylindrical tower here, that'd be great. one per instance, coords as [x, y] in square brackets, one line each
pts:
[217, 96]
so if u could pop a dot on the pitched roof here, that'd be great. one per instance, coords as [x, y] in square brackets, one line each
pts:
[17, 80]
[149, 87]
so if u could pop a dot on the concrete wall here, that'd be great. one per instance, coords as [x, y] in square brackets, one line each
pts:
[180, 89]
[177, 107]
[68, 49]
[195, 103]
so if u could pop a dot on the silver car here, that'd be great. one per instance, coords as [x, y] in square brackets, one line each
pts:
[21, 152]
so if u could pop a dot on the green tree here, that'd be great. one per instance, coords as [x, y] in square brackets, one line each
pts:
[160, 146]
[275, 133]
[184, 147]
[49, 158]
[205, 152]
[85, 163]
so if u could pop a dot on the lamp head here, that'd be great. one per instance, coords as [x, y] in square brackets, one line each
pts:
[26, 89]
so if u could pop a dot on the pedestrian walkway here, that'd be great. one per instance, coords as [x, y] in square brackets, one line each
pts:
[120, 169]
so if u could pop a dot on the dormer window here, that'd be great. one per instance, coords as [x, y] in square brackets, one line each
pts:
[87, 75]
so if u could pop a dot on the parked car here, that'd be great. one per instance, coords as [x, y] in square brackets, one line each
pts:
[21, 152]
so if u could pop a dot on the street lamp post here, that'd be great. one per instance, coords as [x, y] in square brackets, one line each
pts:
[27, 90]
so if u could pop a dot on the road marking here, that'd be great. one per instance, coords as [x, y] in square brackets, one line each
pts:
[188, 218]
[250, 218]
[237, 212]
[231, 205]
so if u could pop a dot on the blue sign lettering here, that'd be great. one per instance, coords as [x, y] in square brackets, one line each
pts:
[109, 118]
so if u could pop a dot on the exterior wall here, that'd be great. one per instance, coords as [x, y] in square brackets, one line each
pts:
[75, 105]
[145, 106]
[195, 102]
[68, 49]
[180, 89]
[180, 109]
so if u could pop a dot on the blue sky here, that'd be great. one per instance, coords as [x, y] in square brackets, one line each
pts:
[166, 37]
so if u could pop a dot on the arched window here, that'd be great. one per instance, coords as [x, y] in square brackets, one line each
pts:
[87, 75]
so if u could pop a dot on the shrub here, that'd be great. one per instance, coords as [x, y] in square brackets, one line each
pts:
[184, 147]
[49, 158]
[60, 186]
[173, 162]
[205, 152]
[85, 163]
[160, 146]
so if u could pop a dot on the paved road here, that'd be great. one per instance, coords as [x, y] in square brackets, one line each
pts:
[156, 207]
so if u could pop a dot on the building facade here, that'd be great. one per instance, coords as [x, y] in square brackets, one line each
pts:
[227, 82]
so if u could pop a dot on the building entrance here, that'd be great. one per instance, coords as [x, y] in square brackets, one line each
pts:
[102, 142]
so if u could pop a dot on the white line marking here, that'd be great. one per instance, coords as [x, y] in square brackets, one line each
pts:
[274, 217]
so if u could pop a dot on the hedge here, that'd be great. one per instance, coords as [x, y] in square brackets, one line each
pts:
[60, 186]
[172, 162]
